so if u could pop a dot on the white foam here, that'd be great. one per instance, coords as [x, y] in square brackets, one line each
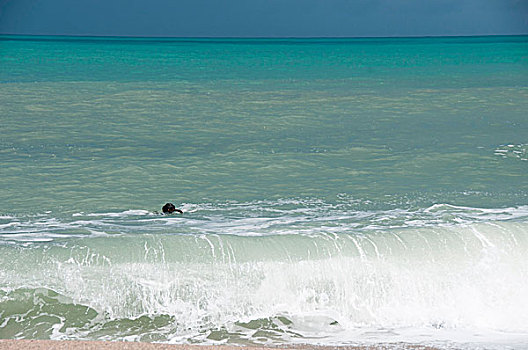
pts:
[463, 283]
[519, 151]
[259, 218]
[116, 214]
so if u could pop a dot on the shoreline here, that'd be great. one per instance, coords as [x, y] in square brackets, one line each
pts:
[33, 344]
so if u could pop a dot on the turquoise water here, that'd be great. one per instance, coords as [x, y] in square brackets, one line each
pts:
[335, 191]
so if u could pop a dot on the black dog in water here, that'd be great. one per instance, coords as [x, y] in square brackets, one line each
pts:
[169, 208]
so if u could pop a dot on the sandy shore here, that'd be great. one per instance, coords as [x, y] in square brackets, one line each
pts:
[8, 344]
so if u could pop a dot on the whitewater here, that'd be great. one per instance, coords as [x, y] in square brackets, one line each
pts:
[264, 274]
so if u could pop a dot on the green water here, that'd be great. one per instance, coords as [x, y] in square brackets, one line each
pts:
[345, 190]
[116, 124]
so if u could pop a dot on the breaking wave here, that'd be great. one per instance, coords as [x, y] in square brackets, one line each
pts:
[272, 275]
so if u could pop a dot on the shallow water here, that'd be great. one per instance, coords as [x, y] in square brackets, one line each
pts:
[335, 191]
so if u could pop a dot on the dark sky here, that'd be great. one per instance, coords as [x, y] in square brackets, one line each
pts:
[268, 18]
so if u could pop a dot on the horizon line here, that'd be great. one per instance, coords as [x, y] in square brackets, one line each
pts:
[257, 37]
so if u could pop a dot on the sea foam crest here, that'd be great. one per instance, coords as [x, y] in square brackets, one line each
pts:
[257, 218]
[465, 282]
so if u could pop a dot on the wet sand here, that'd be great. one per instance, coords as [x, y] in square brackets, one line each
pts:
[9, 344]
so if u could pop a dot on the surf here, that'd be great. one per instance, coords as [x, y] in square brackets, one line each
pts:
[460, 281]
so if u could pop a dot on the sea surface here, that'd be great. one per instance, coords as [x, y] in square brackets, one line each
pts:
[335, 191]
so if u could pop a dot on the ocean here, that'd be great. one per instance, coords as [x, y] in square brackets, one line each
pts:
[335, 191]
